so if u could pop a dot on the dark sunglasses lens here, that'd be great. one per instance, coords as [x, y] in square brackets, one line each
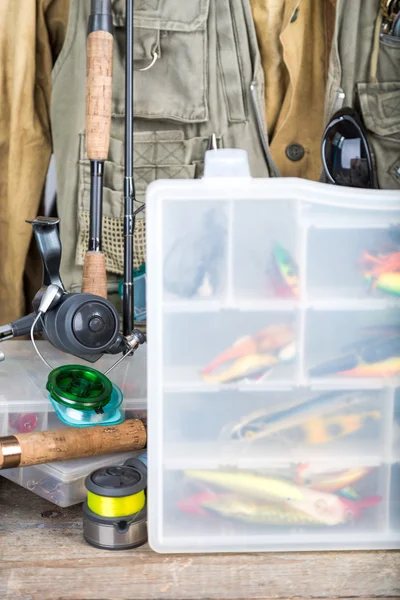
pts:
[346, 155]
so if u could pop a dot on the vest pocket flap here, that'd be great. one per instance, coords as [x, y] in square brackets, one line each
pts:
[174, 82]
[170, 36]
[380, 105]
[168, 15]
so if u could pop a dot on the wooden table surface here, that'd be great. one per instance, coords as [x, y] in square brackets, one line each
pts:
[43, 557]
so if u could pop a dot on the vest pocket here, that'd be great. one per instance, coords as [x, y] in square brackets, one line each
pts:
[176, 86]
[380, 107]
[388, 58]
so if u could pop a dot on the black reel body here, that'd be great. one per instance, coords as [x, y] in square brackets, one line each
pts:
[84, 325]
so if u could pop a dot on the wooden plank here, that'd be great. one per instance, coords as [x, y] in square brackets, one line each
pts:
[43, 557]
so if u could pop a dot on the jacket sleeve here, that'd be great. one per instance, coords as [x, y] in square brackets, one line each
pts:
[31, 35]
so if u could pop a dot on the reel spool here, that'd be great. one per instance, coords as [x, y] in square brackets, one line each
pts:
[115, 514]
[84, 397]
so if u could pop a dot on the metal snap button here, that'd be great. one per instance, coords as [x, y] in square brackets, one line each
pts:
[295, 152]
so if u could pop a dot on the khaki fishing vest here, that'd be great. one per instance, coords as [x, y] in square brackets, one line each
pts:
[200, 84]
[365, 74]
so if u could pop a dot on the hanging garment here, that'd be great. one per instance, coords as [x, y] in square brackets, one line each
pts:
[31, 37]
[365, 74]
[200, 84]
[295, 38]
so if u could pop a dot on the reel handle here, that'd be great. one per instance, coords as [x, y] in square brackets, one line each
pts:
[45, 230]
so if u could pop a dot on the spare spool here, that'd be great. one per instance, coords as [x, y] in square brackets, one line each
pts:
[114, 513]
[82, 396]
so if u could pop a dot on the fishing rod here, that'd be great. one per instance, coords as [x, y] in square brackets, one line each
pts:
[129, 184]
[99, 66]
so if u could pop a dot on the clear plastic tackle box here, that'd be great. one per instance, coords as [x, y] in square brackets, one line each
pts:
[274, 363]
[24, 407]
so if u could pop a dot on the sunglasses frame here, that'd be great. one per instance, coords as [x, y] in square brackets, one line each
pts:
[350, 115]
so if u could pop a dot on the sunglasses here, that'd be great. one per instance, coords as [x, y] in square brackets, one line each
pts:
[346, 156]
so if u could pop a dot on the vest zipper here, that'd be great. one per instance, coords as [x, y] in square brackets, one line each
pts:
[262, 130]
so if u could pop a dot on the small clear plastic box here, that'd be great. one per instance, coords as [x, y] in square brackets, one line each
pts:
[24, 407]
[211, 285]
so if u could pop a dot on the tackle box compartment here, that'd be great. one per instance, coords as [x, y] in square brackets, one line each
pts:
[24, 407]
[273, 363]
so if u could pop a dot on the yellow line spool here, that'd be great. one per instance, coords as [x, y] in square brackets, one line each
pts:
[116, 507]
[114, 514]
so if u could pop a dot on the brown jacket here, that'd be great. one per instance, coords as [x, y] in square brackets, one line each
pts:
[31, 36]
[295, 39]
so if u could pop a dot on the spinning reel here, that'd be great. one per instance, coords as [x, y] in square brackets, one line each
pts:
[83, 325]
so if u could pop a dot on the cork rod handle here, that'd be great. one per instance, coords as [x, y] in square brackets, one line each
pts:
[36, 448]
[99, 67]
[94, 278]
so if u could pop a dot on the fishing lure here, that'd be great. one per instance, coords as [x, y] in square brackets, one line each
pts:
[321, 430]
[370, 358]
[349, 493]
[263, 514]
[320, 479]
[376, 265]
[285, 277]
[384, 368]
[252, 366]
[252, 356]
[267, 340]
[288, 353]
[249, 484]
[268, 422]
[234, 507]
[387, 282]
[199, 253]
[324, 507]
[267, 513]
[383, 272]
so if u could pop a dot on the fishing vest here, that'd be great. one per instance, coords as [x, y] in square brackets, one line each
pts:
[365, 74]
[205, 78]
